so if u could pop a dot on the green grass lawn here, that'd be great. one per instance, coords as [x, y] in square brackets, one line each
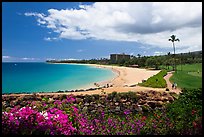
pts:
[189, 76]
[156, 81]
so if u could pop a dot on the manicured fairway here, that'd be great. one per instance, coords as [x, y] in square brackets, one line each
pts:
[190, 76]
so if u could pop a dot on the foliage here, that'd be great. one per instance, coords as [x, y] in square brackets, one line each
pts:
[154, 62]
[182, 117]
[186, 110]
[162, 61]
[156, 81]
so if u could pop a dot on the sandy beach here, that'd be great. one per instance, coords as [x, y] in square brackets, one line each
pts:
[126, 76]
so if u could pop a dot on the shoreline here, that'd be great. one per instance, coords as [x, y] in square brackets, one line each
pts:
[126, 77]
[100, 83]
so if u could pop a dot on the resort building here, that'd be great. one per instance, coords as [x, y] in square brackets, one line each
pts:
[116, 57]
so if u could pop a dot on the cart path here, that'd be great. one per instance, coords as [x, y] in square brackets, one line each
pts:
[169, 84]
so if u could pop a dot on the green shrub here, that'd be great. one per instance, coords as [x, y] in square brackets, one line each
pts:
[111, 95]
[156, 81]
[186, 109]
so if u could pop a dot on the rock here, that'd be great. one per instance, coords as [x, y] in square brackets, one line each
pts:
[128, 103]
[164, 94]
[56, 97]
[92, 103]
[103, 97]
[38, 98]
[141, 102]
[153, 92]
[148, 99]
[117, 108]
[138, 108]
[111, 107]
[100, 109]
[159, 104]
[4, 103]
[93, 111]
[157, 98]
[13, 97]
[50, 100]
[116, 103]
[159, 94]
[123, 100]
[111, 103]
[78, 100]
[171, 99]
[167, 102]
[165, 99]
[95, 105]
[85, 109]
[152, 104]
[86, 104]
[143, 97]
[99, 104]
[13, 103]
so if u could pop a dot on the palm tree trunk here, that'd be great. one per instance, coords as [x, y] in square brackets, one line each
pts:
[174, 68]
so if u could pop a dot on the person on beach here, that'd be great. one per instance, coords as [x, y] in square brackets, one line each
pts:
[173, 86]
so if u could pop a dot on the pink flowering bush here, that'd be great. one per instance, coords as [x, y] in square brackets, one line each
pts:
[62, 117]
[52, 121]
[29, 121]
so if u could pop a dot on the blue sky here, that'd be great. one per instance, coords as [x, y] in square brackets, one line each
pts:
[36, 31]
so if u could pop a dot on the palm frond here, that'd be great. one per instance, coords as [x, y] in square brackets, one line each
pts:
[173, 37]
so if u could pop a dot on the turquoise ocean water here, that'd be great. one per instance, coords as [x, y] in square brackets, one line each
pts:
[44, 77]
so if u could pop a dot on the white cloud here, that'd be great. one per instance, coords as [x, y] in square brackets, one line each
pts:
[28, 58]
[157, 53]
[50, 39]
[6, 57]
[144, 22]
[12, 58]
[132, 53]
[71, 59]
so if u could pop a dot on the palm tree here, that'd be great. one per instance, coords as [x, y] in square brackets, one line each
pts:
[173, 39]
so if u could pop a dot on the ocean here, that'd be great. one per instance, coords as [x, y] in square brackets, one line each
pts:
[45, 77]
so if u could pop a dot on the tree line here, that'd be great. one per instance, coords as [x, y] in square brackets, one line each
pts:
[144, 61]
